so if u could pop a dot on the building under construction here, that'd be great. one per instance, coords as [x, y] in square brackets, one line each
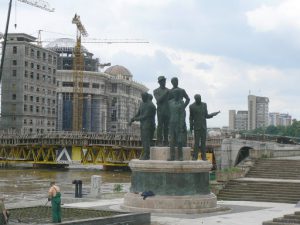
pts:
[109, 99]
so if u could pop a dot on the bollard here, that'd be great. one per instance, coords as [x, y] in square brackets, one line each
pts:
[78, 188]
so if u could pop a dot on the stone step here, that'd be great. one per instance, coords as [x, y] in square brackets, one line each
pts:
[292, 216]
[278, 223]
[256, 199]
[286, 186]
[258, 192]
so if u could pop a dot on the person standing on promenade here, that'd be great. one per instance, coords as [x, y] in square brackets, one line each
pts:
[54, 196]
[4, 212]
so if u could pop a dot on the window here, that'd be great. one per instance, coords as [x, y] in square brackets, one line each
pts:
[49, 58]
[26, 50]
[54, 80]
[54, 71]
[37, 99]
[114, 115]
[38, 54]
[37, 109]
[25, 97]
[114, 88]
[53, 101]
[14, 96]
[26, 73]
[38, 67]
[48, 101]
[30, 122]
[32, 88]
[31, 108]
[25, 108]
[31, 98]
[94, 85]
[32, 65]
[14, 62]
[114, 101]
[67, 84]
[15, 49]
[37, 76]
[14, 73]
[37, 90]
[49, 70]
[31, 75]
[48, 110]
[44, 57]
[25, 121]
[32, 53]
[86, 85]
[53, 111]
[26, 64]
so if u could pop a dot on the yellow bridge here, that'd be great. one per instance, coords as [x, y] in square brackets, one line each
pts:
[66, 148]
[63, 148]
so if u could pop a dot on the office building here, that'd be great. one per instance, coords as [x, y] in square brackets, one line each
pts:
[258, 112]
[28, 102]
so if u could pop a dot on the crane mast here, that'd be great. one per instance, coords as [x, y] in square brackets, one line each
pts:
[78, 67]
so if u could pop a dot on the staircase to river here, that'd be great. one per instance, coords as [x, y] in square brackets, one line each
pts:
[269, 180]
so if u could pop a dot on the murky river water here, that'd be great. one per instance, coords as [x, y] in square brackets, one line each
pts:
[28, 184]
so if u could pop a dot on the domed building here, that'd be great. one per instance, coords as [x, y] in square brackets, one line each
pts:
[65, 48]
[110, 99]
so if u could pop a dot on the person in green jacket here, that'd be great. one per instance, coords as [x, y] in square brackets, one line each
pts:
[198, 116]
[3, 212]
[54, 196]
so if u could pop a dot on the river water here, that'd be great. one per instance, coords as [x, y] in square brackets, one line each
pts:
[30, 184]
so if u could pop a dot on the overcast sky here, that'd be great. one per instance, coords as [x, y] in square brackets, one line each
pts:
[223, 50]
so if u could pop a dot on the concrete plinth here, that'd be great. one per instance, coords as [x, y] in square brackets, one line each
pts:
[179, 187]
[163, 153]
[96, 186]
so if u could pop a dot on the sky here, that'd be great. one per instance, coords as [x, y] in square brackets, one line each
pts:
[223, 50]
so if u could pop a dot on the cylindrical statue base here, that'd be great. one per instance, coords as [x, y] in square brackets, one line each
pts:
[170, 187]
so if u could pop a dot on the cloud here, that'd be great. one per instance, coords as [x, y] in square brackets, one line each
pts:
[280, 17]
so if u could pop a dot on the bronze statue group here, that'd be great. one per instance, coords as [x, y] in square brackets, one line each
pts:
[171, 127]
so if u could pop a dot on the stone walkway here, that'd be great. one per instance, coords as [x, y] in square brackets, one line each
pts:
[241, 213]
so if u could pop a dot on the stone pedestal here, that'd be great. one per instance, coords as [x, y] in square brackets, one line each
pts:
[179, 186]
[96, 186]
[163, 153]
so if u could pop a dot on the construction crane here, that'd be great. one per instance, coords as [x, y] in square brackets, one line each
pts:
[78, 64]
[36, 3]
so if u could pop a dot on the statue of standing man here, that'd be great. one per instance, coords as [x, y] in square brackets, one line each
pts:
[161, 95]
[176, 125]
[198, 116]
[146, 116]
[182, 95]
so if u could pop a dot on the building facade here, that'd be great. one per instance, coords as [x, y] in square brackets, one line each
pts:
[238, 120]
[28, 102]
[110, 98]
[280, 119]
[258, 112]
